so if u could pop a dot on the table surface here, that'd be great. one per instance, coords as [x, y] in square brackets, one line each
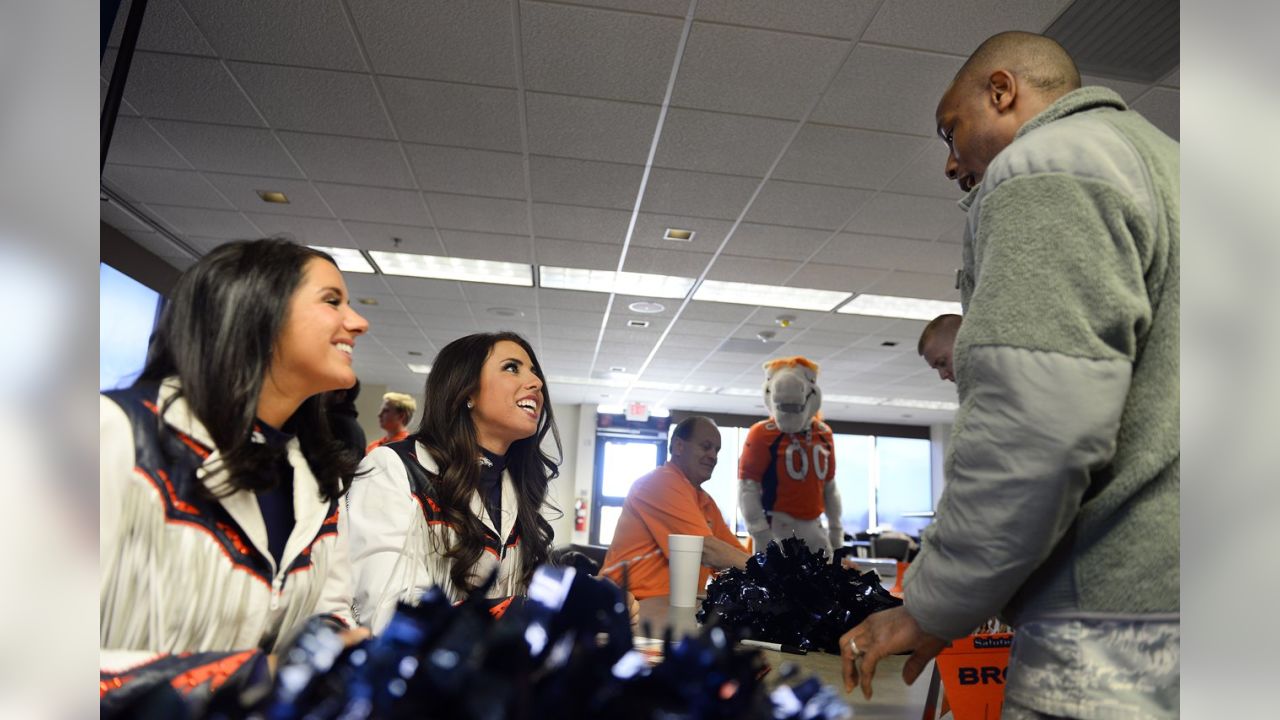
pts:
[892, 698]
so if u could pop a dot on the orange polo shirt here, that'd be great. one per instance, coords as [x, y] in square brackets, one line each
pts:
[388, 439]
[658, 504]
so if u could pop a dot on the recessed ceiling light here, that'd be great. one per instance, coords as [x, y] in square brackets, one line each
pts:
[348, 259]
[452, 268]
[273, 196]
[420, 369]
[646, 307]
[899, 307]
[617, 369]
[638, 323]
[622, 283]
[769, 295]
[678, 235]
[505, 312]
[368, 301]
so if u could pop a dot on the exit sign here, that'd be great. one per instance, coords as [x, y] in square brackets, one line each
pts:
[637, 412]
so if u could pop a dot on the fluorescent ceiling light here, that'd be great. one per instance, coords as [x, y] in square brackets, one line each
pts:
[769, 295]
[622, 283]
[899, 307]
[348, 259]
[678, 235]
[420, 369]
[854, 399]
[922, 404]
[451, 268]
[743, 392]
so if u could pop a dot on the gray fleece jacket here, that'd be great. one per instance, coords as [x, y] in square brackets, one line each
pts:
[1062, 472]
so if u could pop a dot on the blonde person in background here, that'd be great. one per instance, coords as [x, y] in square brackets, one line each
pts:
[394, 418]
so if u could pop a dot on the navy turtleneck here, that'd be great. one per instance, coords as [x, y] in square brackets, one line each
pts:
[491, 485]
[276, 504]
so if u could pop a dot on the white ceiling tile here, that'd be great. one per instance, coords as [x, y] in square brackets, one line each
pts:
[752, 270]
[180, 87]
[756, 72]
[1125, 89]
[304, 230]
[382, 236]
[905, 216]
[228, 148]
[463, 42]
[571, 336]
[479, 214]
[832, 18]
[672, 8]
[580, 223]
[1160, 106]
[924, 175]
[357, 202]
[121, 220]
[324, 101]
[871, 251]
[1174, 78]
[466, 171]
[590, 129]
[416, 293]
[576, 254]
[482, 297]
[688, 342]
[223, 224]
[720, 142]
[243, 191]
[936, 257]
[775, 241]
[721, 312]
[597, 53]
[134, 142]
[890, 89]
[708, 233]
[316, 35]
[583, 182]
[166, 187]
[450, 114]
[486, 246]
[847, 157]
[681, 192]
[955, 232]
[126, 109]
[919, 285]
[357, 161]
[571, 300]
[813, 206]
[165, 28]
[666, 262]
[835, 277]
[957, 27]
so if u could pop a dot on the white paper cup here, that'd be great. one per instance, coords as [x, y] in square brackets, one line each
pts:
[685, 560]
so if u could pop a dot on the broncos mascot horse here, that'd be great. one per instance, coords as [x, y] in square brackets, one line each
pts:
[787, 469]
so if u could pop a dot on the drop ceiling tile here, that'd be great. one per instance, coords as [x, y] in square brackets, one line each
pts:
[666, 262]
[134, 142]
[223, 224]
[482, 297]
[228, 149]
[720, 142]
[417, 293]
[847, 157]
[304, 230]
[720, 312]
[315, 36]
[919, 285]
[597, 53]
[831, 18]
[957, 28]
[955, 232]
[180, 87]
[356, 161]
[936, 257]
[479, 214]
[820, 207]
[650, 229]
[1174, 79]
[836, 277]
[126, 223]
[487, 246]
[243, 190]
[1160, 106]
[752, 270]
[466, 171]
[775, 241]
[924, 175]
[462, 42]
[680, 192]
[450, 114]
[165, 28]
[381, 236]
[571, 300]
[871, 251]
[323, 101]
[688, 343]
[166, 187]
[583, 182]
[754, 72]
[357, 202]
[1125, 89]
[905, 216]
[891, 89]
[590, 129]
[575, 254]
[580, 223]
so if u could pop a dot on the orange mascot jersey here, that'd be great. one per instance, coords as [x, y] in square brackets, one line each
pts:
[792, 468]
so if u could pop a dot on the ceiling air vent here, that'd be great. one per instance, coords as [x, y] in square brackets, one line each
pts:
[1136, 40]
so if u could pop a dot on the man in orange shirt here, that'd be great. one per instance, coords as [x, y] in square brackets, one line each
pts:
[671, 500]
[397, 410]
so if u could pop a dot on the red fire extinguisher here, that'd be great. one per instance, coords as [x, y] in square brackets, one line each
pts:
[580, 514]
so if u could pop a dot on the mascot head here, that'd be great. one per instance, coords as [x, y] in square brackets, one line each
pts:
[791, 392]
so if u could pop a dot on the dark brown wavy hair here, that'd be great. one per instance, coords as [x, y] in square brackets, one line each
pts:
[447, 431]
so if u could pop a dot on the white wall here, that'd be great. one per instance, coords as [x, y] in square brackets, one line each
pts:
[560, 494]
[368, 405]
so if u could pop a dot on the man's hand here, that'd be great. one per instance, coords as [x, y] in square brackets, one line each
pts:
[885, 633]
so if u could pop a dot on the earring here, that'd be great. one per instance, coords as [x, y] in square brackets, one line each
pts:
[470, 404]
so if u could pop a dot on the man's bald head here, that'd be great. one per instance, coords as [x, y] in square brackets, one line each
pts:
[1033, 59]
